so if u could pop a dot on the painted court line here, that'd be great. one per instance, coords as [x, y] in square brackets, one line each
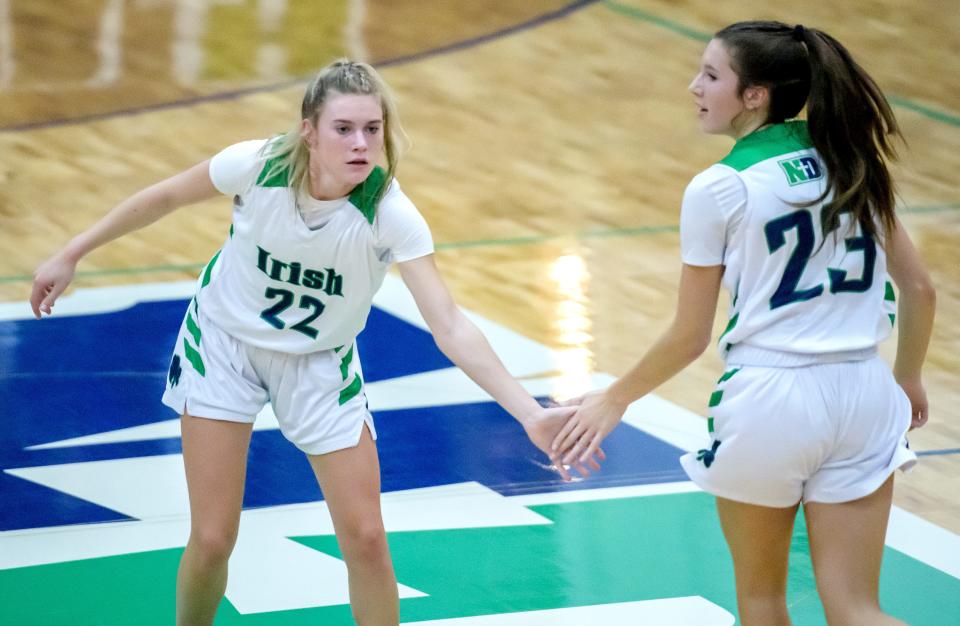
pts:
[664, 612]
[912, 535]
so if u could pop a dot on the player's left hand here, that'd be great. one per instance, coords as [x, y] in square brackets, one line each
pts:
[581, 436]
[920, 408]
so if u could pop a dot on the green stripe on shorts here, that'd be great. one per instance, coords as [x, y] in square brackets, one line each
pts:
[728, 375]
[352, 390]
[345, 364]
[194, 357]
[193, 328]
[715, 398]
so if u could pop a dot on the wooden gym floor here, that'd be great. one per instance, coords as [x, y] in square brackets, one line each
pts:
[552, 141]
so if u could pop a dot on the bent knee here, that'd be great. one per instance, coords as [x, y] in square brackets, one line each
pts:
[213, 544]
[366, 542]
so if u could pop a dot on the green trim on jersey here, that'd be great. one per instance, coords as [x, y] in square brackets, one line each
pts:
[730, 326]
[281, 178]
[767, 143]
[888, 294]
[209, 269]
[366, 195]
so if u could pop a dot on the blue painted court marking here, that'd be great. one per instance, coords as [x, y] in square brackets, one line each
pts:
[451, 461]
[80, 375]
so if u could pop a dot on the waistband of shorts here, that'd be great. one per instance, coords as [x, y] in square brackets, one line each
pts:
[764, 357]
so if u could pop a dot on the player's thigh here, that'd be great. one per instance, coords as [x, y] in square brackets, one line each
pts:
[215, 462]
[846, 542]
[350, 481]
[759, 541]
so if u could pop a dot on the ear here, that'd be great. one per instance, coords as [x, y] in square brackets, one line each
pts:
[308, 132]
[756, 97]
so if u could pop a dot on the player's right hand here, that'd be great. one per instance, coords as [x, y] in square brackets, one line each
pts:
[49, 281]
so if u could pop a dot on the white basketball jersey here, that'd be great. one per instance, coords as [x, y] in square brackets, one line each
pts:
[279, 285]
[797, 283]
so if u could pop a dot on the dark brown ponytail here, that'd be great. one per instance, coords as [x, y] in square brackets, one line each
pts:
[850, 122]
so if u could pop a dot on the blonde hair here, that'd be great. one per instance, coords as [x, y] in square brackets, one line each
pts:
[287, 155]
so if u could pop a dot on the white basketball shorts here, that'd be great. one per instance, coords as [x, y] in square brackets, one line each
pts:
[831, 432]
[318, 397]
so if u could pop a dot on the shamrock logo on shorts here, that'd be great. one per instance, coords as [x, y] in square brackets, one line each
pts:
[174, 375]
[707, 456]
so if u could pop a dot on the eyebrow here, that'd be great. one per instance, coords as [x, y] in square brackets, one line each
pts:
[378, 120]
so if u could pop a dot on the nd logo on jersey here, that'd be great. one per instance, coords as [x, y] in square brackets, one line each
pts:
[95, 516]
[801, 170]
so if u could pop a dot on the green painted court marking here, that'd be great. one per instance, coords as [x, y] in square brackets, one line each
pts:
[183, 267]
[535, 239]
[656, 20]
[594, 552]
[459, 245]
[692, 33]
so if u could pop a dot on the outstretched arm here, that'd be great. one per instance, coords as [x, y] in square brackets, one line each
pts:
[463, 343]
[915, 313]
[139, 210]
[685, 340]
